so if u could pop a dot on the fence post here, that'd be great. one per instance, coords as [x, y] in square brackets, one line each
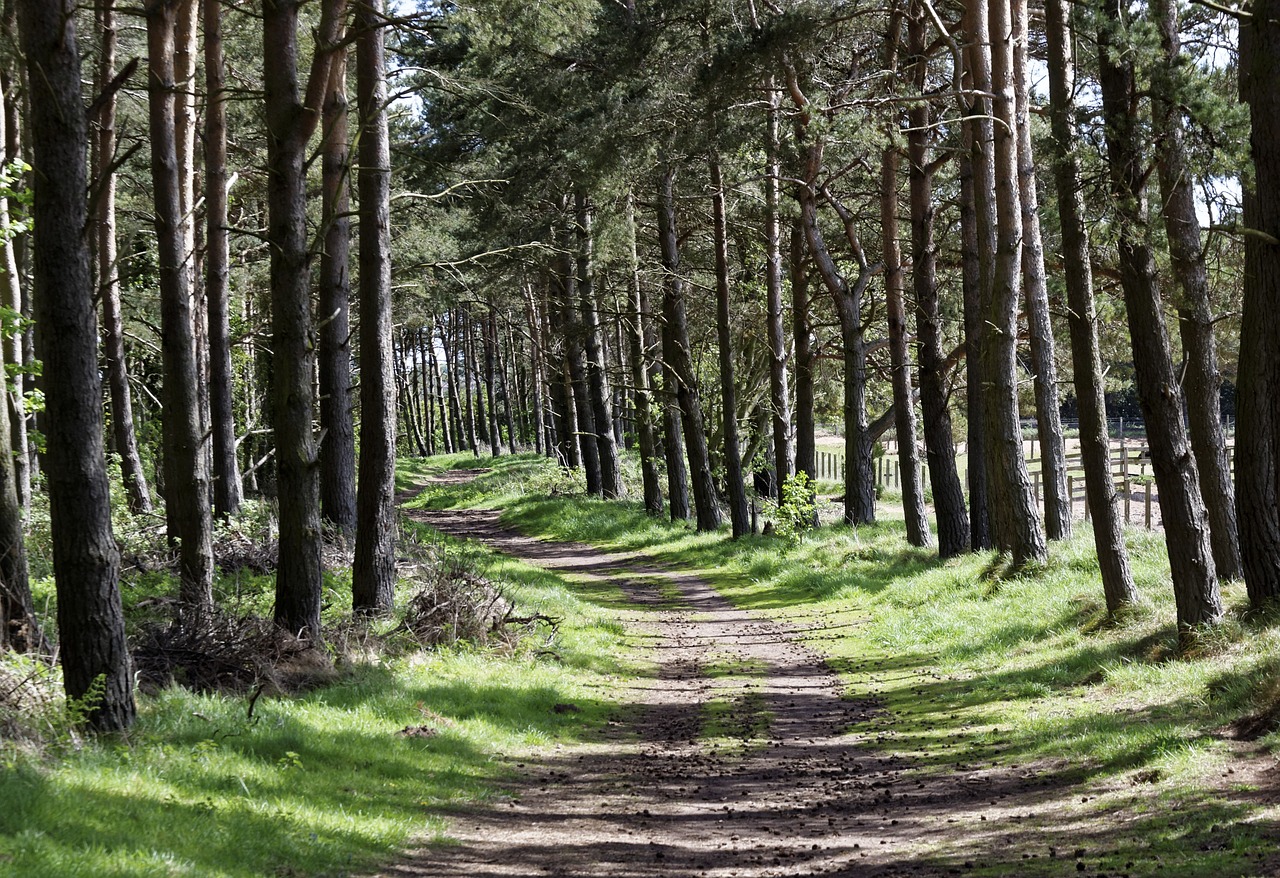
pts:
[1071, 495]
[1128, 498]
[1148, 501]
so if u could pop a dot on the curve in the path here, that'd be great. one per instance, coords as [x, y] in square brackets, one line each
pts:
[798, 796]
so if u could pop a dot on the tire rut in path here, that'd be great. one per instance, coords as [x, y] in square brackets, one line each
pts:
[798, 798]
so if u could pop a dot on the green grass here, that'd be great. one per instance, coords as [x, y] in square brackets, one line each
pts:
[974, 667]
[322, 784]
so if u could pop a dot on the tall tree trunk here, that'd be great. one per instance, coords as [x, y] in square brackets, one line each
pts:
[940, 451]
[779, 394]
[1195, 581]
[537, 358]
[421, 352]
[806, 360]
[980, 239]
[576, 372]
[1258, 387]
[1202, 382]
[460, 351]
[646, 430]
[737, 489]
[491, 380]
[1015, 521]
[1053, 453]
[186, 465]
[374, 573]
[117, 370]
[291, 117]
[676, 354]
[597, 369]
[859, 482]
[337, 421]
[85, 559]
[917, 522]
[227, 494]
[433, 366]
[1095, 448]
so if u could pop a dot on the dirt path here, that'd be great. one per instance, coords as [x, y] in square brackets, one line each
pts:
[791, 789]
[795, 785]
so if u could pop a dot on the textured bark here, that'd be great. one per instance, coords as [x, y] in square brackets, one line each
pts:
[597, 374]
[779, 394]
[642, 393]
[917, 522]
[737, 488]
[186, 464]
[16, 283]
[451, 376]
[1095, 448]
[1015, 521]
[427, 395]
[374, 572]
[337, 422]
[578, 397]
[19, 628]
[859, 482]
[117, 369]
[1195, 581]
[542, 440]
[679, 361]
[291, 117]
[948, 494]
[1258, 387]
[86, 563]
[433, 366]
[227, 494]
[806, 360]
[1202, 382]
[461, 333]
[978, 240]
[491, 380]
[1057, 505]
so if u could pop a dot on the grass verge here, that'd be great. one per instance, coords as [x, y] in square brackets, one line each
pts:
[1129, 748]
[328, 783]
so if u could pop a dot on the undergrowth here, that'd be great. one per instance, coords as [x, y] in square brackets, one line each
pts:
[236, 769]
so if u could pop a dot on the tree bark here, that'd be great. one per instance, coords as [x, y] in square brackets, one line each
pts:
[979, 245]
[186, 464]
[917, 523]
[737, 489]
[291, 117]
[806, 360]
[597, 374]
[117, 369]
[1053, 453]
[1195, 581]
[642, 392]
[1258, 381]
[1095, 448]
[677, 357]
[227, 494]
[337, 420]
[374, 573]
[779, 393]
[1202, 382]
[86, 563]
[1015, 521]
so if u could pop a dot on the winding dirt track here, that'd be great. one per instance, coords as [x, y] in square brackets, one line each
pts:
[798, 797]
[794, 781]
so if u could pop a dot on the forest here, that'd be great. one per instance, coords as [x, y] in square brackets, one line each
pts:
[919, 339]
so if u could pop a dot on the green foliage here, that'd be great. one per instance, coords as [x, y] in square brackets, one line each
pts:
[796, 511]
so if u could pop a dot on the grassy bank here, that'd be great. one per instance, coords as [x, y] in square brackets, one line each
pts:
[978, 672]
[326, 783]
